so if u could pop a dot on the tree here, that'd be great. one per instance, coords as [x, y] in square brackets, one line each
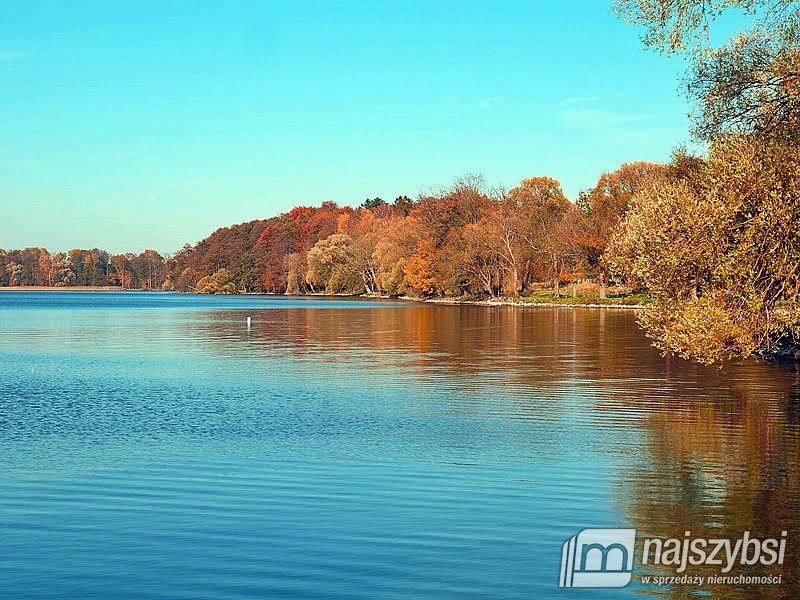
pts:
[332, 265]
[396, 245]
[149, 269]
[403, 206]
[365, 231]
[568, 242]
[15, 274]
[420, 270]
[466, 201]
[47, 268]
[603, 207]
[471, 264]
[539, 205]
[720, 253]
[295, 273]
[121, 272]
[503, 232]
[751, 83]
[372, 203]
[220, 282]
[187, 280]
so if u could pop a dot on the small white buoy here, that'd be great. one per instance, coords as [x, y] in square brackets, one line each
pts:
[248, 322]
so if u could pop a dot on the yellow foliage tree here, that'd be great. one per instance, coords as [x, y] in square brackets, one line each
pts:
[720, 253]
[420, 269]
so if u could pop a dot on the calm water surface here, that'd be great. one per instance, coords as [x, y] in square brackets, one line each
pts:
[155, 446]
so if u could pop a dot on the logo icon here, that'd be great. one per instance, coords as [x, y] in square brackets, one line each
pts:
[598, 558]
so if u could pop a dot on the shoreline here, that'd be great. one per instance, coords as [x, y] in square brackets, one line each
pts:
[446, 301]
[508, 302]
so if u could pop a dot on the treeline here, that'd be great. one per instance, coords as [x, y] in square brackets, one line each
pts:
[464, 240]
[37, 267]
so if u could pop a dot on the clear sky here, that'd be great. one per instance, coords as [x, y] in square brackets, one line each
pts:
[134, 125]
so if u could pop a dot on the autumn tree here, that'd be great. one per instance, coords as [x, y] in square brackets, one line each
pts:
[420, 269]
[21, 267]
[720, 253]
[121, 270]
[568, 244]
[148, 267]
[220, 282]
[332, 266]
[365, 230]
[465, 201]
[503, 233]
[749, 84]
[14, 272]
[47, 268]
[397, 243]
[296, 273]
[603, 207]
[403, 206]
[539, 205]
[470, 264]
[187, 280]
[179, 275]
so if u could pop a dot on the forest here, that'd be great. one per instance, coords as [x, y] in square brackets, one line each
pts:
[713, 240]
[465, 240]
[38, 267]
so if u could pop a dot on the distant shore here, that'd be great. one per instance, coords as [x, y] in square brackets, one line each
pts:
[66, 288]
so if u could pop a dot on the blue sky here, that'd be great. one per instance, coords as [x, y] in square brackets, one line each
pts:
[133, 125]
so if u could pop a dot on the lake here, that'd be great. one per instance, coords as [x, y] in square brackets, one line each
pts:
[154, 445]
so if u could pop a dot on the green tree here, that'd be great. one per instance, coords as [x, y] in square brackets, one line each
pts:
[372, 203]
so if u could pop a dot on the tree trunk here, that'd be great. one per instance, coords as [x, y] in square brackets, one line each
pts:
[515, 282]
[557, 281]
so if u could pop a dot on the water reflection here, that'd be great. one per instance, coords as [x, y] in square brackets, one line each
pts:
[508, 428]
[713, 451]
[721, 456]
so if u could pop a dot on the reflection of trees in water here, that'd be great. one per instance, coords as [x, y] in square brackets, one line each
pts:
[530, 363]
[720, 453]
[722, 457]
[539, 344]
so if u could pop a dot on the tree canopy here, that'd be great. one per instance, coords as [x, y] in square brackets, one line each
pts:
[720, 252]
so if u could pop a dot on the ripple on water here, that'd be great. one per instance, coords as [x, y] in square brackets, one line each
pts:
[155, 446]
